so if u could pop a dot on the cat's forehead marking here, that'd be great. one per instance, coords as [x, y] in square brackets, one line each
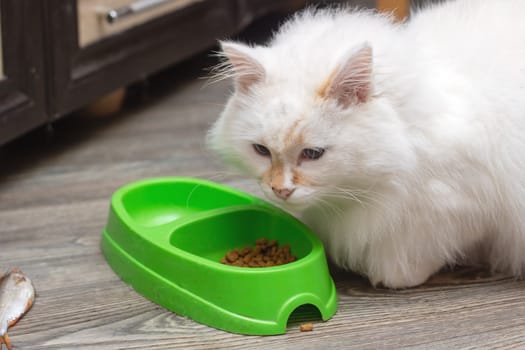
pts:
[291, 137]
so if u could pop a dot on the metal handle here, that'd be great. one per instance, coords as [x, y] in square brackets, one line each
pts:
[114, 15]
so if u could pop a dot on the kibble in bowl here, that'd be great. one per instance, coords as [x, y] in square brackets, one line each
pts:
[265, 253]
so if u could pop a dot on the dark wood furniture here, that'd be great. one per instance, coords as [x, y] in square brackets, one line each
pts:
[49, 74]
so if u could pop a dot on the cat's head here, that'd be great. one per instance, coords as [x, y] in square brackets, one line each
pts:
[311, 133]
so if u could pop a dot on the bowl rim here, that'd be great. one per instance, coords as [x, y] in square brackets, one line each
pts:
[255, 204]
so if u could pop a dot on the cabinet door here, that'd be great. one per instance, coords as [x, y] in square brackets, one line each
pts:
[22, 103]
[85, 69]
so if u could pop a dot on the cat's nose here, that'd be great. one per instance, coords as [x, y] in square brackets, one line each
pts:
[283, 193]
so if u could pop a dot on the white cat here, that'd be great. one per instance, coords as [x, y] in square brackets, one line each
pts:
[401, 145]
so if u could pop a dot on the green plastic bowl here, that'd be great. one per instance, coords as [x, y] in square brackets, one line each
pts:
[166, 236]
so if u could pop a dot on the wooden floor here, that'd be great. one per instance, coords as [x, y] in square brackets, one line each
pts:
[54, 194]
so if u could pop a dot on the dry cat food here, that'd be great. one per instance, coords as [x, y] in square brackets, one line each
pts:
[306, 327]
[265, 253]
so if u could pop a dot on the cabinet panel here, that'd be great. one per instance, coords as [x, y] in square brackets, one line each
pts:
[81, 74]
[22, 102]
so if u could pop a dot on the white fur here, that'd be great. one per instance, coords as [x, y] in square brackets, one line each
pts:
[430, 170]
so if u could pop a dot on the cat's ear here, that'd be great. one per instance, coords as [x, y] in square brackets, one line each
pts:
[351, 82]
[243, 66]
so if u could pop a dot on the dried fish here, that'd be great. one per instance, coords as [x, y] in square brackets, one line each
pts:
[16, 297]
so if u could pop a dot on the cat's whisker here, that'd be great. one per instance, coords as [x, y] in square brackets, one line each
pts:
[341, 193]
[351, 195]
[328, 206]
[217, 77]
[374, 200]
[365, 198]
[367, 194]
[217, 175]
[221, 71]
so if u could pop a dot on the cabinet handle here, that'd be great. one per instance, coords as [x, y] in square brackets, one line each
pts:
[114, 15]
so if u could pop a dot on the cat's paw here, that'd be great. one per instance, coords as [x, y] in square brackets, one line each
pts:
[395, 278]
[397, 282]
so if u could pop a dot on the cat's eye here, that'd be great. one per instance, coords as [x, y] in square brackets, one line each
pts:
[262, 150]
[312, 153]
